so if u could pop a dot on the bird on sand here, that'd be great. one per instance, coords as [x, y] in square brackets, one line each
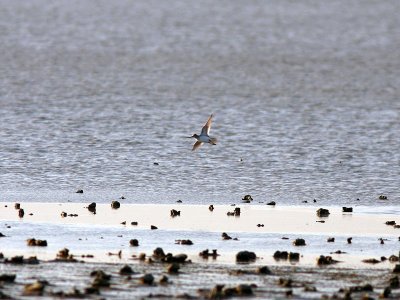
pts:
[203, 137]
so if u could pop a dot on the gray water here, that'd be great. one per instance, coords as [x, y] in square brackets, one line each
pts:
[305, 93]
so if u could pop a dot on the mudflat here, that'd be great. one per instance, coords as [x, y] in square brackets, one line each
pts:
[196, 251]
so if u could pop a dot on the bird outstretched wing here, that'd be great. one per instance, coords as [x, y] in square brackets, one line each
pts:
[206, 128]
[196, 145]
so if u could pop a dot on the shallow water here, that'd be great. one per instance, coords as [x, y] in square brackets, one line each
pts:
[306, 94]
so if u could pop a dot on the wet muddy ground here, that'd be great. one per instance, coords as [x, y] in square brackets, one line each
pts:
[82, 250]
[196, 280]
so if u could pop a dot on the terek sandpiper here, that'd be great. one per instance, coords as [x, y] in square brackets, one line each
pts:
[203, 137]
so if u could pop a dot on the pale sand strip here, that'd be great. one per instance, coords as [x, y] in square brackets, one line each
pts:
[283, 219]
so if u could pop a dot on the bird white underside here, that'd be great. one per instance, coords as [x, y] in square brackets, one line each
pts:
[203, 139]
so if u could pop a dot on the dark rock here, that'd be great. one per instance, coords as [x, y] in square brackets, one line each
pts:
[347, 209]
[21, 213]
[179, 201]
[272, 203]
[2, 235]
[225, 236]
[123, 223]
[383, 197]
[207, 254]
[79, 191]
[100, 273]
[173, 268]
[175, 213]
[91, 290]
[92, 207]
[164, 279]
[386, 293]
[216, 292]
[361, 288]
[371, 261]
[322, 212]
[17, 206]
[147, 279]
[158, 253]
[325, 260]
[178, 258]
[34, 289]
[391, 223]
[134, 223]
[349, 240]
[184, 242]
[247, 198]
[119, 253]
[289, 294]
[63, 255]
[244, 290]
[281, 255]
[122, 197]
[134, 242]
[230, 214]
[237, 211]
[396, 268]
[320, 221]
[63, 214]
[7, 278]
[338, 252]
[394, 282]
[263, 270]
[211, 207]
[260, 225]
[315, 201]
[285, 282]
[308, 288]
[126, 270]
[101, 280]
[115, 204]
[16, 260]
[152, 227]
[331, 240]
[245, 256]
[34, 242]
[294, 256]
[393, 258]
[299, 242]
[32, 260]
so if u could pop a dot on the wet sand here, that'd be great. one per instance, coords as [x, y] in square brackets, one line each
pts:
[107, 232]
[284, 219]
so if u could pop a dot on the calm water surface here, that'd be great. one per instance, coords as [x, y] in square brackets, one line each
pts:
[306, 99]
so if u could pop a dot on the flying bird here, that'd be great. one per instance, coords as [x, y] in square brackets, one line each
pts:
[203, 137]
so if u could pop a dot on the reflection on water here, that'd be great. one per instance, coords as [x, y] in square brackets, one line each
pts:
[93, 93]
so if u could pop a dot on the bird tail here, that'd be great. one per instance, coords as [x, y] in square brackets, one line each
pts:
[213, 141]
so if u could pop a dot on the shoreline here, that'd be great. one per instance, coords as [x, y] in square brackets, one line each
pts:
[262, 229]
[106, 235]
